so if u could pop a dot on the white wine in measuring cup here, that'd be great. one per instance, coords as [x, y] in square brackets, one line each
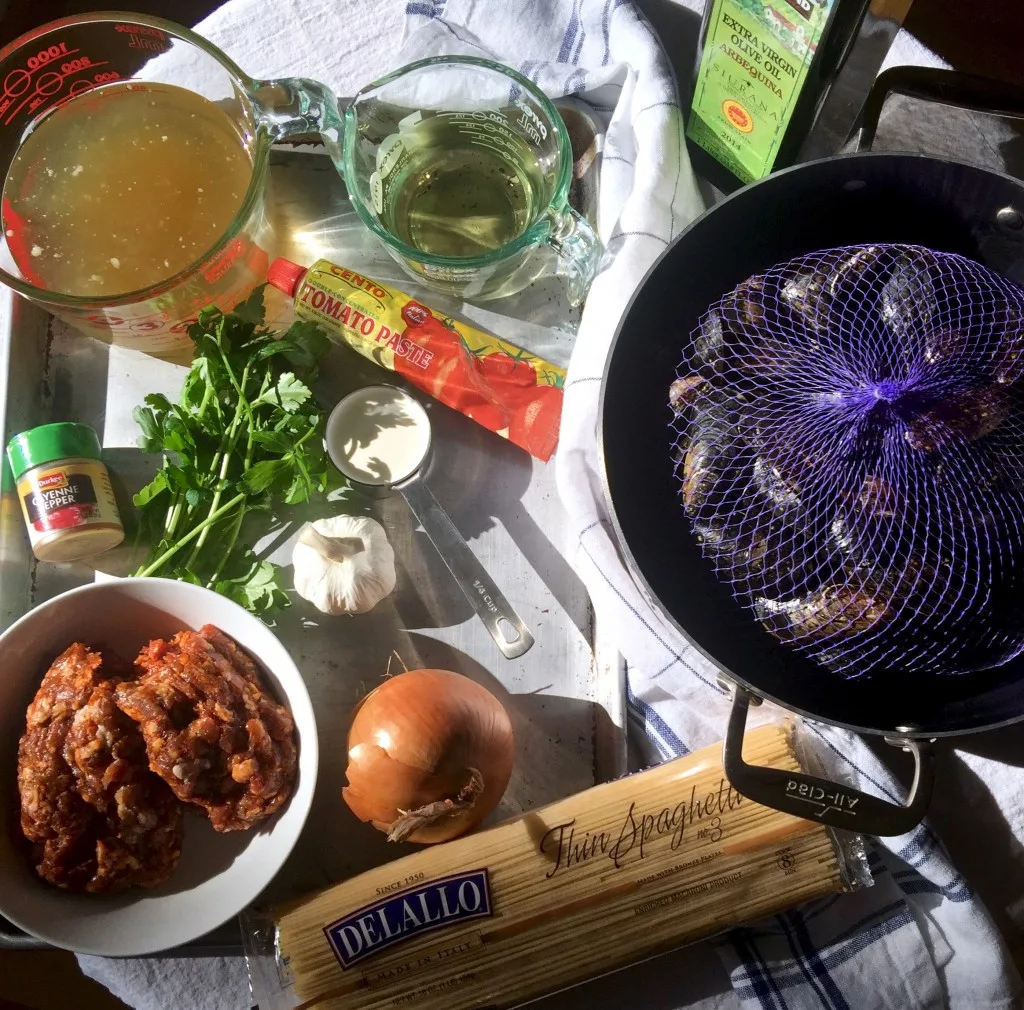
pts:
[123, 187]
[457, 184]
[462, 169]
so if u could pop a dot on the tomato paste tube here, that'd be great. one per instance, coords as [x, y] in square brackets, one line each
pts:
[506, 389]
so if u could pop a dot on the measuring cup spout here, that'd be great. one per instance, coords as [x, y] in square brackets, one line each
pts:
[292, 106]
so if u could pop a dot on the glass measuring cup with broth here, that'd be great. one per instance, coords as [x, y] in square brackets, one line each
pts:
[134, 156]
[122, 187]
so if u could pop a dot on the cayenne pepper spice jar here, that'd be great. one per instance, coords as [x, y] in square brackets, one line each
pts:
[65, 492]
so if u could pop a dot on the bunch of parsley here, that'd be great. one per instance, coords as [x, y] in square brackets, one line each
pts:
[244, 439]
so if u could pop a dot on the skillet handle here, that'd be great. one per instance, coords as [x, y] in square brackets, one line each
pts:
[819, 799]
[943, 87]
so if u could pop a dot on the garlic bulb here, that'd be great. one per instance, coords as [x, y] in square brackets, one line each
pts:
[343, 565]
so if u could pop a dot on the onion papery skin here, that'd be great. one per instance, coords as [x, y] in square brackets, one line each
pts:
[415, 740]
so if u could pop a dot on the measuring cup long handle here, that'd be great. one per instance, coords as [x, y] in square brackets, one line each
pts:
[506, 627]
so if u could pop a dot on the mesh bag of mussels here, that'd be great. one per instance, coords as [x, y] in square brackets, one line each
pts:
[849, 453]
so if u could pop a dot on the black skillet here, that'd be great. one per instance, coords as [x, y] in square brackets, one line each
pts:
[860, 198]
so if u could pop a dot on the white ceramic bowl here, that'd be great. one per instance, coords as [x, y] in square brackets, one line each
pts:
[218, 874]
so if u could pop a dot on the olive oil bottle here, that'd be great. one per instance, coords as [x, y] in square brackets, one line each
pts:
[769, 71]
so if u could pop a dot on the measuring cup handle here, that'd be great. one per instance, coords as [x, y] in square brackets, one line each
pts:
[579, 251]
[505, 626]
[292, 106]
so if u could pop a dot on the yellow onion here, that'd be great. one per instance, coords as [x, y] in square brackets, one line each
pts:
[429, 756]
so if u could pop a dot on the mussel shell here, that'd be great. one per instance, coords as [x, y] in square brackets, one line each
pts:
[709, 344]
[852, 269]
[944, 345]
[683, 393]
[907, 301]
[833, 611]
[877, 498]
[805, 295]
[712, 441]
[778, 489]
[745, 308]
[757, 557]
[699, 475]
[738, 554]
[768, 359]
[964, 416]
[1009, 361]
[794, 462]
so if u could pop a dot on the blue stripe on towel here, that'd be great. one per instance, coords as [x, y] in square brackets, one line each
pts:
[653, 721]
[569, 37]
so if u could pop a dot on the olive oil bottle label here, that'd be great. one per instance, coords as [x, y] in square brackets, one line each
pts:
[755, 61]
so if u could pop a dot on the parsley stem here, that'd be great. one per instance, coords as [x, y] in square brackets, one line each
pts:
[173, 514]
[208, 395]
[225, 451]
[243, 402]
[236, 524]
[191, 535]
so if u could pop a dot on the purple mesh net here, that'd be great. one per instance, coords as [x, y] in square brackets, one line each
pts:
[849, 450]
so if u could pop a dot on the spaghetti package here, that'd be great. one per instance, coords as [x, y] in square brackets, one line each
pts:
[627, 870]
[501, 386]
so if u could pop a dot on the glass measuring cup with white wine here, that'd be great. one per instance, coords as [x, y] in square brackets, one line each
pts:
[461, 167]
[134, 158]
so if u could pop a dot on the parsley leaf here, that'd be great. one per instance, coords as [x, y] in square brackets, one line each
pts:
[289, 393]
[242, 444]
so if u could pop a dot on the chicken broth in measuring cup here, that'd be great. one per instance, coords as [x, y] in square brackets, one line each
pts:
[122, 187]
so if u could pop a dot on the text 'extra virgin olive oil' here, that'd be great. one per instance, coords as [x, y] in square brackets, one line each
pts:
[449, 187]
[762, 77]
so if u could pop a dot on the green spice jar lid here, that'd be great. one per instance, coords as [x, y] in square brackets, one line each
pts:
[50, 442]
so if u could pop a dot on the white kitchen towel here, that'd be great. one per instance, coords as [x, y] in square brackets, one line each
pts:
[917, 938]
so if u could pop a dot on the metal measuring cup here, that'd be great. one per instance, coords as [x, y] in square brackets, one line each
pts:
[363, 420]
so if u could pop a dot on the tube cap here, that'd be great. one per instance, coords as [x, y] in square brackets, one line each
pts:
[285, 276]
[50, 442]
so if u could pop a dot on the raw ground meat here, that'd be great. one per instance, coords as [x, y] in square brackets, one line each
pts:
[44, 781]
[97, 819]
[141, 843]
[53, 816]
[212, 733]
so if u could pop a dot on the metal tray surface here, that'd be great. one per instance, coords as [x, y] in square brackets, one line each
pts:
[565, 699]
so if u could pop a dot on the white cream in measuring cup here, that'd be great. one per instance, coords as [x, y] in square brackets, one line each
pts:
[379, 436]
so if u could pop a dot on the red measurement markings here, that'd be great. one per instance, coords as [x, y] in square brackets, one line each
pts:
[141, 30]
[148, 325]
[17, 81]
[76, 89]
[139, 323]
[17, 244]
[53, 83]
